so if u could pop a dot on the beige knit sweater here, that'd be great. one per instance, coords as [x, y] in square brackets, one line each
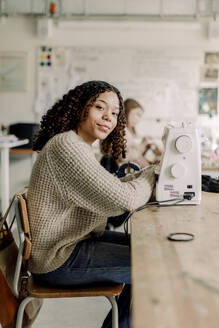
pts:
[70, 197]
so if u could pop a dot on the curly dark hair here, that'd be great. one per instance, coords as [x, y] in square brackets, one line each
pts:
[66, 115]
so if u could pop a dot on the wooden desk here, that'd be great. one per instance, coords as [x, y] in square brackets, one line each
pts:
[25, 151]
[176, 284]
[210, 169]
[22, 151]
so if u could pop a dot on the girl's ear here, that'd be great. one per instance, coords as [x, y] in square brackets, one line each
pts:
[84, 112]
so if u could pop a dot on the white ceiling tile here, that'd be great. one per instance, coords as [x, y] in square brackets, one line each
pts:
[179, 7]
[69, 7]
[38, 6]
[216, 6]
[143, 7]
[15, 6]
[105, 7]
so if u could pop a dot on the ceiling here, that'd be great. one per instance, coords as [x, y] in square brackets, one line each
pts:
[113, 9]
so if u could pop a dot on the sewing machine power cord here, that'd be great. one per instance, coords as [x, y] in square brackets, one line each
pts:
[174, 201]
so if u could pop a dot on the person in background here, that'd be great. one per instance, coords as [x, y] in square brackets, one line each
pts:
[134, 150]
[70, 195]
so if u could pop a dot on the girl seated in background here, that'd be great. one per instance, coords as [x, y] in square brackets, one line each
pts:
[70, 195]
[134, 150]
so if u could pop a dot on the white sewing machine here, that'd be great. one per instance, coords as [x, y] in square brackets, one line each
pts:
[180, 166]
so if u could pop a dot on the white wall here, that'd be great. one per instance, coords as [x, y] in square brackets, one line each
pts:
[19, 34]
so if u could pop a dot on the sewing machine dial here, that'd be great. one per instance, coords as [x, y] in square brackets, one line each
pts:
[177, 170]
[183, 144]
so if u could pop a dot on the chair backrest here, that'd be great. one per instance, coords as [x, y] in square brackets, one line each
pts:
[24, 247]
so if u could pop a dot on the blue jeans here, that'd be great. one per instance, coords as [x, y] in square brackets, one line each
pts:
[96, 260]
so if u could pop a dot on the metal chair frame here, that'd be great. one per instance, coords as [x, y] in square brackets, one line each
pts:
[110, 291]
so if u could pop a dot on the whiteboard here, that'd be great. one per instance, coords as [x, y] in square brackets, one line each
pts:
[164, 80]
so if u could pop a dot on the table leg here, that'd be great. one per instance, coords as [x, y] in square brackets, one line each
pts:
[33, 158]
[4, 179]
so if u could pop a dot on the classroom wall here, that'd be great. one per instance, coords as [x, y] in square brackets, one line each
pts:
[19, 33]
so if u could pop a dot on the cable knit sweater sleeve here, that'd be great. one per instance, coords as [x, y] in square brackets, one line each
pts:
[84, 182]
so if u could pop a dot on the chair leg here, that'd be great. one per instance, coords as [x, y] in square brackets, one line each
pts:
[115, 316]
[20, 312]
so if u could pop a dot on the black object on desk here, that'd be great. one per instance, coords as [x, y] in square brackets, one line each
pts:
[210, 184]
[24, 131]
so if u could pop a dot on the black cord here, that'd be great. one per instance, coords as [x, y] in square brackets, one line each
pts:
[156, 203]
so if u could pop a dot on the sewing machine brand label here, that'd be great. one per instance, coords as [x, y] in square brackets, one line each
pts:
[174, 193]
[168, 187]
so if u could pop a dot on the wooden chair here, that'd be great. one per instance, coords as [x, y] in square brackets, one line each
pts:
[34, 290]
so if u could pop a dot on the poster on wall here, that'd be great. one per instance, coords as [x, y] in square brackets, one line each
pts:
[209, 74]
[13, 71]
[208, 98]
[212, 58]
[53, 77]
